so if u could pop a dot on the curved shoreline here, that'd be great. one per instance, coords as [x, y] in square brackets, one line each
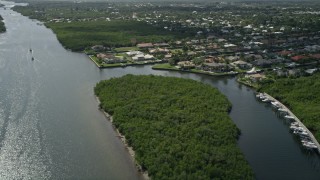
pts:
[130, 150]
[296, 119]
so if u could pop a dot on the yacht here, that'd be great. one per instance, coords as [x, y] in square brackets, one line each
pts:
[260, 96]
[276, 104]
[283, 110]
[289, 117]
[266, 100]
[309, 145]
[302, 133]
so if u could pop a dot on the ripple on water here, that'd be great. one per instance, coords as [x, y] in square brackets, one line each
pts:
[23, 153]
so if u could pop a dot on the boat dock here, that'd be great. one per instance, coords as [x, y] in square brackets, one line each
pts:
[295, 119]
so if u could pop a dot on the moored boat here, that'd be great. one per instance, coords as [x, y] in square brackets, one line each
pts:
[282, 110]
[266, 100]
[309, 145]
[275, 104]
[289, 117]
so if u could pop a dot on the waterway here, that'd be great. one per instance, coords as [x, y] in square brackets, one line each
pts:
[51, 128]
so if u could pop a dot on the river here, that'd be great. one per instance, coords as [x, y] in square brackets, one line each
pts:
[51, 128]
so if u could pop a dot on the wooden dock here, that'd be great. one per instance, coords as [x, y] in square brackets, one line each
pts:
[296, 119]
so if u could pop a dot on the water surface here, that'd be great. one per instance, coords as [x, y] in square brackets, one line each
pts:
[51, 128]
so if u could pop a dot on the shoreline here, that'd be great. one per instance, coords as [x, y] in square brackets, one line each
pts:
[247, 84]
[130, 150]
[122, 65]
[296, 119]
[194, 72]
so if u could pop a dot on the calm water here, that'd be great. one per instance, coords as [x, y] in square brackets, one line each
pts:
[51, 128]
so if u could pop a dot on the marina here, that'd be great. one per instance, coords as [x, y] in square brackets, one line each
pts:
[307, 139]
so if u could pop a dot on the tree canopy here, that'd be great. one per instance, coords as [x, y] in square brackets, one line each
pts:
[80, 35]
[178, 128]
[2, 27]
[302, 96]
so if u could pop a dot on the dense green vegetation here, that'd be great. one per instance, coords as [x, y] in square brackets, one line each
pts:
[2, 27]
[302, 96]
[79, 35]
[179, 128]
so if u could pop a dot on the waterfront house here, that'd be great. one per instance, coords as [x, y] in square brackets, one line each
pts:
[256, 77]
[133, 53]
[216, 67]
[138, 57]
[110, 58]
[186, 65]
[143, 57]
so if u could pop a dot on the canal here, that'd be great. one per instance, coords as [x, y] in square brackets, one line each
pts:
[51, 128]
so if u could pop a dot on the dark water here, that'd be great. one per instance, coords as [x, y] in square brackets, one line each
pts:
[51, 128]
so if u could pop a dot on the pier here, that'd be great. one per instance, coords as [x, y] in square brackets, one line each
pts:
[296, 119]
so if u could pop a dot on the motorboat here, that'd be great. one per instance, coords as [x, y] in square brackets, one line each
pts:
[265, 100]
[307, 142]
[282, 110]
[309, 145]
[301, 133]
[276, 104]
[295, 127]
[259, 95]
[289, 117]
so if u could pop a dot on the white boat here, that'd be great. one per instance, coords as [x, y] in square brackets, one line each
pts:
[282, 110]
[304, 133]
[289, 117]
[294, 124]
[276, 104]
[295, 127]
[259, 95]
[301, 133]
[252, 71]
[309, 146]
[308, 142]
[266, 100]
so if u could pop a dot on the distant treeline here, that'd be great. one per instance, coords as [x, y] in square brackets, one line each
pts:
[302, 96]
[80, 35]
[2, 27]
[178, 128]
